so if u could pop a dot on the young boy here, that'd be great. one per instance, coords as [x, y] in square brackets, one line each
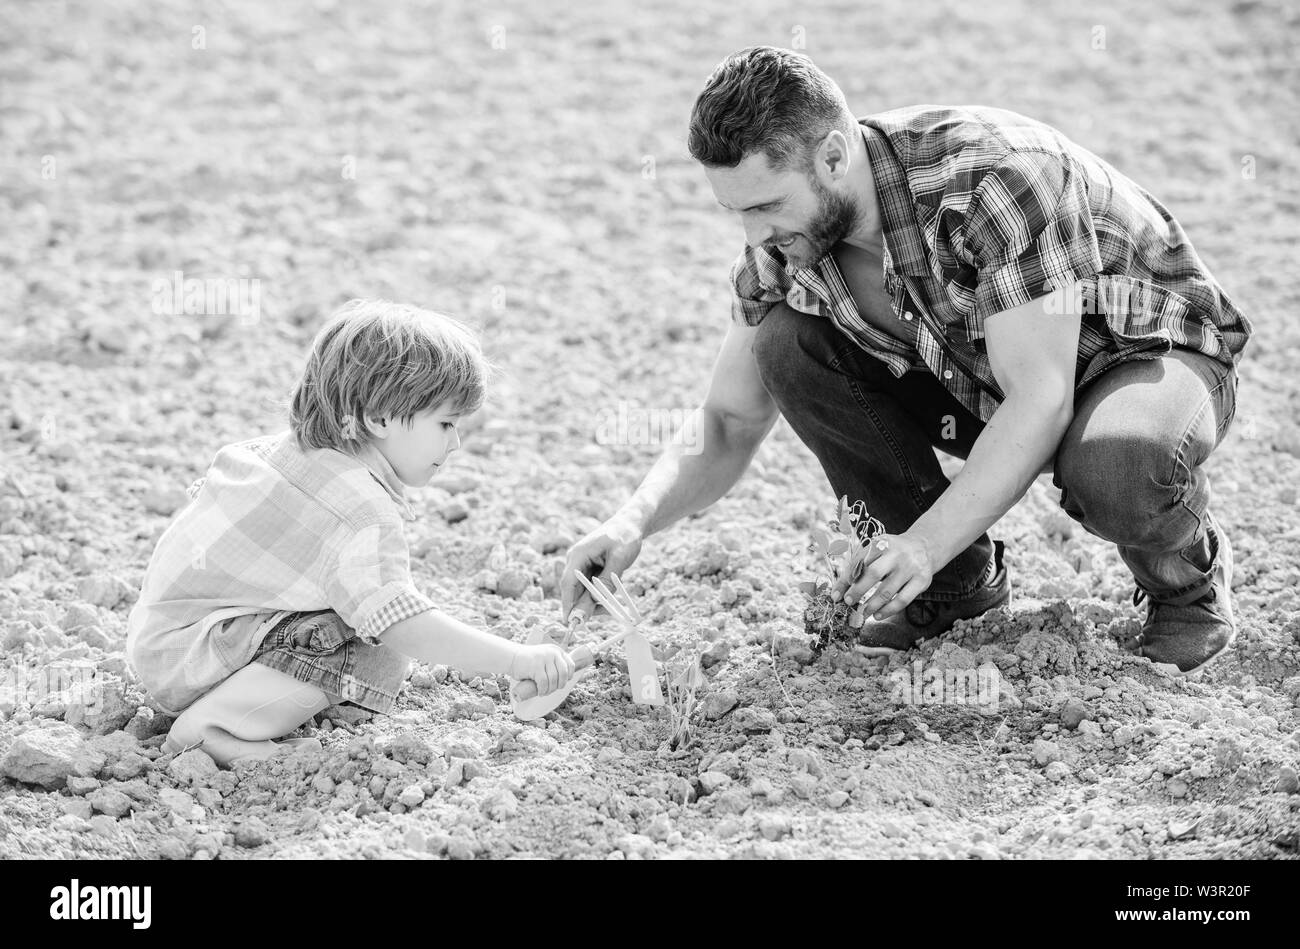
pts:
[284, 586]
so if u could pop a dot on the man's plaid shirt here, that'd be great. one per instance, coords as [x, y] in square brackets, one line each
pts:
[270, 530]
[984, 210]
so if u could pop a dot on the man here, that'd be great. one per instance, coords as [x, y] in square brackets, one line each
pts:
[971, 280]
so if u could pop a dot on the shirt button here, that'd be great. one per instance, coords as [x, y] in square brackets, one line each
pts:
[947, 373]
[907, 316]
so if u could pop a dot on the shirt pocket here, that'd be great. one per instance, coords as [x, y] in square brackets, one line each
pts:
[1155, 342]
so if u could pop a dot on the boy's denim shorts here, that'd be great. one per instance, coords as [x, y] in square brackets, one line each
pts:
[319, 648]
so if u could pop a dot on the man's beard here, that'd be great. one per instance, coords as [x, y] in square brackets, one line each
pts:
[836, 218]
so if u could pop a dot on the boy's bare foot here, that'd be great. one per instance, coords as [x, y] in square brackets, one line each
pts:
[286, 747]
[240, 717]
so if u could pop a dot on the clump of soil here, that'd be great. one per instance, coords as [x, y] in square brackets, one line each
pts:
[828, 621]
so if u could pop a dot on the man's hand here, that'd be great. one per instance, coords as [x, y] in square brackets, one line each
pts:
[902, 567]
[610, 548]
[550, 667]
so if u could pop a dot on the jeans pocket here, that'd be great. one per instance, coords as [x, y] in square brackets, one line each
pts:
[849, 360]
[315, 634]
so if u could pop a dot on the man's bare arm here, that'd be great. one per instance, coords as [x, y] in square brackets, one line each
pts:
[1033, 349]
[732, 422]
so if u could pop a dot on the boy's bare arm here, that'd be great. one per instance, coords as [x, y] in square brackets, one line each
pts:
[435, 638]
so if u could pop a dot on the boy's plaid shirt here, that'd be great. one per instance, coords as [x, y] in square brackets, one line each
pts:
[984, 210]
[270, 530]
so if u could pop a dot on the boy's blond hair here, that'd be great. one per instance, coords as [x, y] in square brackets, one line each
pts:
[384, 360]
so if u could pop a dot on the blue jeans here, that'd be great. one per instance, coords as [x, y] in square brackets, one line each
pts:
[1129, 467]
[320, 649]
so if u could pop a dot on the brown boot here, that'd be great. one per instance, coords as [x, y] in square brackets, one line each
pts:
[1190, 637]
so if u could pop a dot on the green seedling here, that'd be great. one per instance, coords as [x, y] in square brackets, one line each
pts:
[681, 699]
[841, 550]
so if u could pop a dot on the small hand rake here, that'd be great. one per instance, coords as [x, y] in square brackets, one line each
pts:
[641, 667]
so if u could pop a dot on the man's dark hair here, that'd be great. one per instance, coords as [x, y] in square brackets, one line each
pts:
[765, 99]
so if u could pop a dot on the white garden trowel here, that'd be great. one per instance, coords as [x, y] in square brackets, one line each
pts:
[641, 668]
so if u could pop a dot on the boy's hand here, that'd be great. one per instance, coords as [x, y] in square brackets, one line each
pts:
[550, 667]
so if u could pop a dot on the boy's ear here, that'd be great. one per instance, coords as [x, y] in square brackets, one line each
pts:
[377, 427]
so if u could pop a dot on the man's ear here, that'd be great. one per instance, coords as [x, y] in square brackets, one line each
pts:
[377, 427]
[833, 157]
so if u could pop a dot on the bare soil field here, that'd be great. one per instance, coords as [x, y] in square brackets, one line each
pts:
[524, 166]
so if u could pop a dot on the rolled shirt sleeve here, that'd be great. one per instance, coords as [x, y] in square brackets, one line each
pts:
[751, 298]
[1028, 230]
[369, 583]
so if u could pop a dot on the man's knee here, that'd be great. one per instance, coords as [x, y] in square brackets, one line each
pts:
[1120, 491]
[776, 347]
[792, 349]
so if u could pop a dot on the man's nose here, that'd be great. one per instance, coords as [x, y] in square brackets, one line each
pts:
[757, 234]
